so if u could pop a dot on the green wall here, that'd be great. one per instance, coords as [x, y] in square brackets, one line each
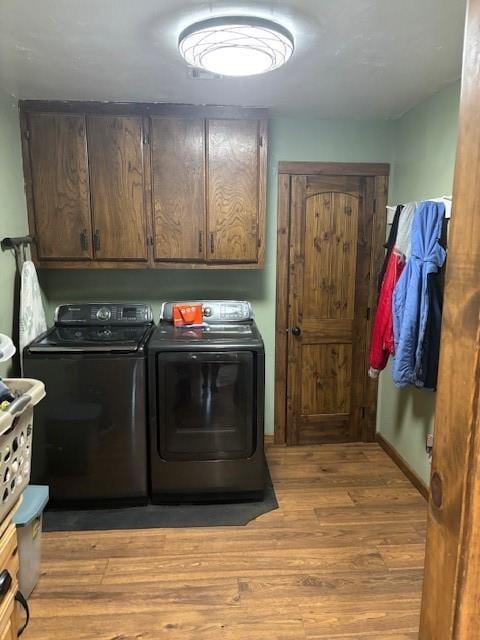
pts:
[423, 160]
[420, 146]
[290, 139]
[13, 218]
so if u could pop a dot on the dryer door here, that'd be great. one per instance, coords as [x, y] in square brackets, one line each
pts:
[205, 405]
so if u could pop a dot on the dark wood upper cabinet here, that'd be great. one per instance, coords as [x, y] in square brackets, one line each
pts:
[145, 185]
[233, 190]
[59, 186]
[178, 188]
[115, 151]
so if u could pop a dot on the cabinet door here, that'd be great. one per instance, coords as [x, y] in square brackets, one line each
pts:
[233, 190]
[178, 185]
[8, 632]
[59, 167]
[115, 151]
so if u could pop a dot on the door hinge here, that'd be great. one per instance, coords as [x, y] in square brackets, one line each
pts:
[367, 314]
[260, 141]
[150, 240]
[429, 444]
[362, 412]
[146, 138]
[26, 133]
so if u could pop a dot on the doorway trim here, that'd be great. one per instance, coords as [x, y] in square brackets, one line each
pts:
[451, 591]
[380, 172]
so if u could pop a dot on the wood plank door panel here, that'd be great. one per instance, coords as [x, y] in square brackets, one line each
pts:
[178, 184]
[115, 147]
[233, 168]
[330, 249]
[59, 167]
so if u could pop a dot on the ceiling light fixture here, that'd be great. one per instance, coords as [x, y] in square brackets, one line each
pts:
[236, 46]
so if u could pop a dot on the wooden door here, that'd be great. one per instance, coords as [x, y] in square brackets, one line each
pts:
[115, 149]
[233, 190]
[60, 189]
[178, 186]
[330, 255]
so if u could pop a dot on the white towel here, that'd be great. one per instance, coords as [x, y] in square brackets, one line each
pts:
[403, 242]
[32, 315]
[7, 348]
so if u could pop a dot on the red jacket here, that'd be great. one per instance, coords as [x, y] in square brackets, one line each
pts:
[382, 343]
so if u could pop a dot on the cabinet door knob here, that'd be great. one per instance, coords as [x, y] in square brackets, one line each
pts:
[5, 583]
[96, 239]
[296, 331]
[83, 240]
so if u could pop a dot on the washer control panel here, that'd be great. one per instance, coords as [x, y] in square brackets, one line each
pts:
[214, 311]
[103, 313]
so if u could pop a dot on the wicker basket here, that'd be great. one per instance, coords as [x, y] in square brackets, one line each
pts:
[16, 424]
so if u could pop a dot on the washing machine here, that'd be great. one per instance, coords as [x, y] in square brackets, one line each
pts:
[90, 432]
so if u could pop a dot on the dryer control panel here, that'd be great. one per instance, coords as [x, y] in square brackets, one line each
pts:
[214, 311]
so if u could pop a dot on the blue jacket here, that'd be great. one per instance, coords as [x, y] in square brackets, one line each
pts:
[410, 298]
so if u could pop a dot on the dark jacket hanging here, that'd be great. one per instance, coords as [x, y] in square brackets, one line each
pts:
[431, 349]
[390, 243]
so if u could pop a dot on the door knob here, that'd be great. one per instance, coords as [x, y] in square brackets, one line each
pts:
[296, 331]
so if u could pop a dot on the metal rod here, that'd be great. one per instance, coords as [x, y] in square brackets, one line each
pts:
[11, 243]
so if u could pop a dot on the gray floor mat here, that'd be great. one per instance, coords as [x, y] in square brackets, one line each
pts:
[160, 516]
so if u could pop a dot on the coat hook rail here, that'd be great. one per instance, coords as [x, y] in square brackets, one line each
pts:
[446, 199]
[11, 243]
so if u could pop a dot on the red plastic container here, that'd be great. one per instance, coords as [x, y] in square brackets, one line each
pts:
[187, 314]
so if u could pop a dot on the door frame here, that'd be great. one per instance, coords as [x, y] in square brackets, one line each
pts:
[380, 173]
[451, 591]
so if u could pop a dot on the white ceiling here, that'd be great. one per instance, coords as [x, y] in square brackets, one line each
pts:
[353, 58]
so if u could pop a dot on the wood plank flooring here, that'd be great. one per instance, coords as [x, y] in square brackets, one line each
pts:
[341, 558]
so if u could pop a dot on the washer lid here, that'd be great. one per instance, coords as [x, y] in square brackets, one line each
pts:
[86, 339]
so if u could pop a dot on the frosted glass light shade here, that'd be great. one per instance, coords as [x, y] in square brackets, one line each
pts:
[236, 46]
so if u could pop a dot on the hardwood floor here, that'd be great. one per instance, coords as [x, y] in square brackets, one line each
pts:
[341, 558]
